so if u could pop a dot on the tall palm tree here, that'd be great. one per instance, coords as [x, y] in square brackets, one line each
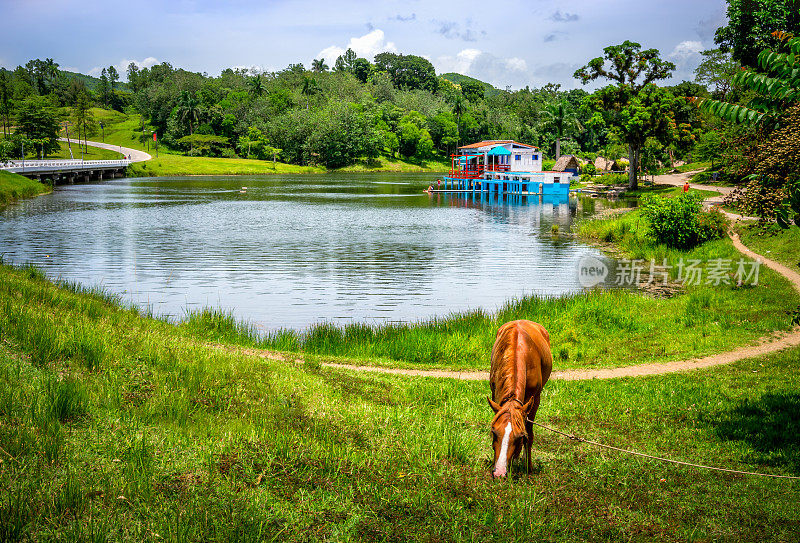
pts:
[318, 65]
[459, 108]
[309, 88]
[189, 111]
[561, 119]
[51, 71]
[256, 86]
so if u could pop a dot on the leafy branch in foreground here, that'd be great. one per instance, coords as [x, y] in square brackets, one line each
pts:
[776, 85]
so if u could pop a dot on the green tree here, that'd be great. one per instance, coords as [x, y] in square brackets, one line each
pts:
[751, 24]
[408, 71]
[318, 65]
[113, 77]
[133, 76]
[82, 117]
[255, 85]
[473, 90]
[189, 110]
[425, 146]
[623, 106]
[561, 119]
[36, 120]
[709, 146]
[717, 70]
[309, 88]
[104, 88]
[6, 91]
[459, 108]
[362, 69]
[409, 132]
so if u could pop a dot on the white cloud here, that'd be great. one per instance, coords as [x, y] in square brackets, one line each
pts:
[366, 46]
[685, 50]
[122, 67]
[686, 56]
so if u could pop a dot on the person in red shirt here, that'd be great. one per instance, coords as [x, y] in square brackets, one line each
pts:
[686, 186]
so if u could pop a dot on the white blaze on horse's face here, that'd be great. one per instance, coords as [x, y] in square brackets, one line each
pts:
[500, 467]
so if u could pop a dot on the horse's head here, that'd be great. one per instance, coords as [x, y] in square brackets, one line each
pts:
[508, 432]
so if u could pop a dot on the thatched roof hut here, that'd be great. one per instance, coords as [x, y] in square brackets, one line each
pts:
[605, 165]
[567, 163]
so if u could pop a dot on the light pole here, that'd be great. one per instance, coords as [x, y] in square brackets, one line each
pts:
[69, 144]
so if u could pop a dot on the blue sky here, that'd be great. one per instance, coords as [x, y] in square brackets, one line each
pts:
[506, 43]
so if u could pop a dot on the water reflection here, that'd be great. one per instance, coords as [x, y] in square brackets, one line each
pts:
[293, 250]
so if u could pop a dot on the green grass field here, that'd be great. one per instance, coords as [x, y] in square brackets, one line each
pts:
[114, 426]
[14, 186]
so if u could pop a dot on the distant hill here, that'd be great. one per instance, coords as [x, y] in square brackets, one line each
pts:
[92, 82]
[458, 79]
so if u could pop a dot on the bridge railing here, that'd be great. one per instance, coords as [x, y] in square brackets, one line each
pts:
[61, 165]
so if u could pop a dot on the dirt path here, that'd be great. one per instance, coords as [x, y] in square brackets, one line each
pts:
[135, 154]
[767, 345]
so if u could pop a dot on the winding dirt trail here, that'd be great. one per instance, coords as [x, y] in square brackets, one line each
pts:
[770, 344]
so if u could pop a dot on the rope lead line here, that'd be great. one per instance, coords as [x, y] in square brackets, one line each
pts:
[582, 440]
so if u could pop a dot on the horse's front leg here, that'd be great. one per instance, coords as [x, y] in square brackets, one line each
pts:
[528, 445]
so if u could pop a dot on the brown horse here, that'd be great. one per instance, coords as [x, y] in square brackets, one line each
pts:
[521, 365]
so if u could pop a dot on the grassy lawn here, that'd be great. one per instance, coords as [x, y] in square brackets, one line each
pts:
[773, 242]
[385, 164]
[166, 165]
[118, 427]
[14, 186]
[89, 153]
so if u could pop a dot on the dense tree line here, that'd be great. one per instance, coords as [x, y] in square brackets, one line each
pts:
[395, 105]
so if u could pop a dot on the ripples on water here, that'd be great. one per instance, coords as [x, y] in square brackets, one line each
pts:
[291, 251]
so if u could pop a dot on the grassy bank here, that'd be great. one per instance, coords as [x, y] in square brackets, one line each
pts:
[166, 165]
[773, 242]
[588, 330]
[14, 186]
[118, 427]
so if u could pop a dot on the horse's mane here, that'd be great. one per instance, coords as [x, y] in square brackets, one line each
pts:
[508, 370]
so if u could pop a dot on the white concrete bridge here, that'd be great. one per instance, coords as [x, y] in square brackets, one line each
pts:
[62, 171]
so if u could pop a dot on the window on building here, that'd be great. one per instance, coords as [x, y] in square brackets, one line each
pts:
[517, 157]
[535, 157]
[556, 180]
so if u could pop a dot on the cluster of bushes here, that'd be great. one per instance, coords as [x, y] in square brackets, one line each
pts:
[681, 222]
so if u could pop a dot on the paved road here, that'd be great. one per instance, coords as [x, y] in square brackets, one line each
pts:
[135, 154]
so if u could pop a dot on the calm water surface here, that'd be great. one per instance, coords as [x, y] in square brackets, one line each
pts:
[291, 251]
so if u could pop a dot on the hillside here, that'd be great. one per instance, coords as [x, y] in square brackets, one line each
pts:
[458, 79]
[92, 82]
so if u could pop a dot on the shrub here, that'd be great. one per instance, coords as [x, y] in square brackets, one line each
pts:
[680, 222]
[588, 169]
[711, 225]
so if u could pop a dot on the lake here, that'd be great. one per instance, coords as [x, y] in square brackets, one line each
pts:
[294, 250]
